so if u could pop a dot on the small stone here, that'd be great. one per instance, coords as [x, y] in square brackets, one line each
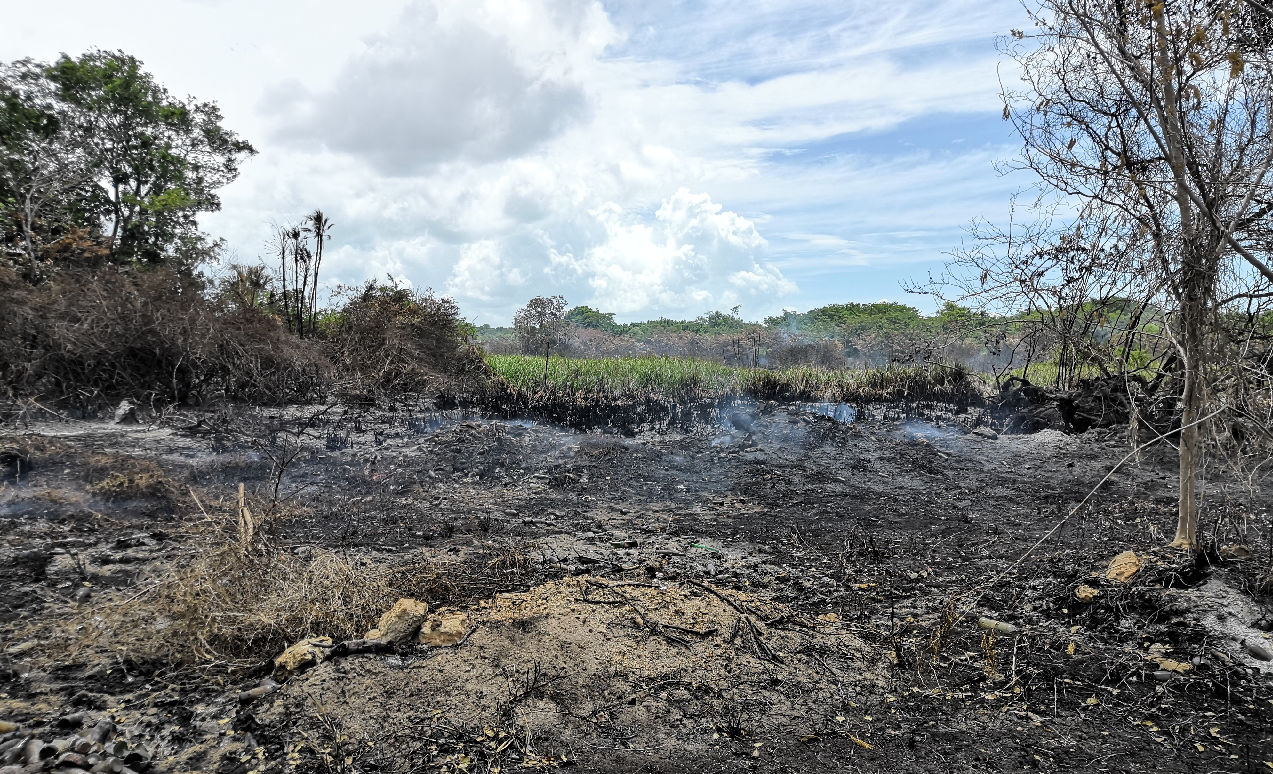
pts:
[402, 621]
[372, 634]
[126, 414]
[301, 656]
[1123, 567]
[1235, 552]
[1086, 593]
[444, 630]
[985, 432]
[1258, 650]
[6, 727]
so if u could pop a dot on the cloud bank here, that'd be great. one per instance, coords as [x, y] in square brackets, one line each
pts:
[660, 158]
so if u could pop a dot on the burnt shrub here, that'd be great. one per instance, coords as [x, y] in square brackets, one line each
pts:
[827, 353]
[87, 337]
[390, 339]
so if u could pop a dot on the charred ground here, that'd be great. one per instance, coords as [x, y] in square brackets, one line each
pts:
[866, 552]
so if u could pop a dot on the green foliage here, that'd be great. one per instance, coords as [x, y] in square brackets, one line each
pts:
[843, 320]
[587, 317]
[707, 324]
[684, 378]
[94, 143]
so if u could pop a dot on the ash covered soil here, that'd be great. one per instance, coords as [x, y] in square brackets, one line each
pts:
[780, 592]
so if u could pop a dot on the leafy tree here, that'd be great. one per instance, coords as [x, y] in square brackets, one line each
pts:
[587, 317]
[118, 154]
[44, 165]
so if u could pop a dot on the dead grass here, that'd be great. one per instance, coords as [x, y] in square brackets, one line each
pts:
[235, 599]
[120, 477]
[236, 608]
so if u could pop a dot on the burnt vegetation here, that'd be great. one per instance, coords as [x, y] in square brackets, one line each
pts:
[852, 539]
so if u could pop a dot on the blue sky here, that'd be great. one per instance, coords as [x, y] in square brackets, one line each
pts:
[649, 158]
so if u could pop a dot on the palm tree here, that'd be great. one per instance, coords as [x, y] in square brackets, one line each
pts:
[320, 227]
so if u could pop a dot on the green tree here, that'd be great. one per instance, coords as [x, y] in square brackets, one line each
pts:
[44, 168]
[158, 161]
[587, 317]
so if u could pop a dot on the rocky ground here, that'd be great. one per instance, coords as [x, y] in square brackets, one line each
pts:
[796, 588]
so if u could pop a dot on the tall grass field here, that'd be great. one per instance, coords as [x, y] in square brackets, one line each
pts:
[684, 378]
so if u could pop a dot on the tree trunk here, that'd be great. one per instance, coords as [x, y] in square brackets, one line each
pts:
[1193, 396]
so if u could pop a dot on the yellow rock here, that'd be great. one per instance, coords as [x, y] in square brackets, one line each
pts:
[372, 634]
[1086, 593]
[1123, 567]
[402, 621]
[300, 656]
[7, 727]
[444, 630]
[1172, 665]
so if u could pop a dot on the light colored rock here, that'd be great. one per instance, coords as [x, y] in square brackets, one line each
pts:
[1235, 552]
[372, 634]
[402, 621]
[1086, 593]
[126, 414]
[443, 630]
[1123, 567]
[301, 656]
[997, 626]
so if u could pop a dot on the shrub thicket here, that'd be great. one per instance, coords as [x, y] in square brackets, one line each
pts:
[88, 336]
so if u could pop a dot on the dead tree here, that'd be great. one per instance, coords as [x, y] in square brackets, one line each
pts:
[1150, 120]
[542, 325]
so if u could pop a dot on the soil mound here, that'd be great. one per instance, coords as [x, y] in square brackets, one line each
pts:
[579, 664]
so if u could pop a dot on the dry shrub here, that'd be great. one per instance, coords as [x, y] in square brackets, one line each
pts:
[388, 338]
[133, 486]
[119, 477]
[239, 608]
[91, 336]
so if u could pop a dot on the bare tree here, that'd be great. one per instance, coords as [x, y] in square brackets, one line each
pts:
[542, 325]
[1151, 121]
[298, 269]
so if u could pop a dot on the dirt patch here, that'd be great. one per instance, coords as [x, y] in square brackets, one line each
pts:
[573, 665]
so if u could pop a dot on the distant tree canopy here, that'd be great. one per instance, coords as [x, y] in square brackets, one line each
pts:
[587, 317]
[849, 319]
[94, 151]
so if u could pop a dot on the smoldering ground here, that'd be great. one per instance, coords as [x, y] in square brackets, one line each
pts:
[780, 588]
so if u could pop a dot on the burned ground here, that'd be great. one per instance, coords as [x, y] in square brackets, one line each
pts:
[864, 551]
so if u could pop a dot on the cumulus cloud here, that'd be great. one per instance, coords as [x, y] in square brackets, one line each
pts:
[500, 149]
[692, 257]
[451, 82]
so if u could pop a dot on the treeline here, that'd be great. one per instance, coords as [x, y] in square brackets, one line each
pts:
[833, 336]
[102, 176]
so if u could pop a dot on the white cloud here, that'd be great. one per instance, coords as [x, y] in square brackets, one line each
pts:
[451, 82]
[691, 258]
[499, 149]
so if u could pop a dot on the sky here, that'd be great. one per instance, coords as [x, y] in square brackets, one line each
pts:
[661, 158]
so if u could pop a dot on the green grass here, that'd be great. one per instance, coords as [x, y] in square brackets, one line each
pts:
[681, 378]
[673, 377]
